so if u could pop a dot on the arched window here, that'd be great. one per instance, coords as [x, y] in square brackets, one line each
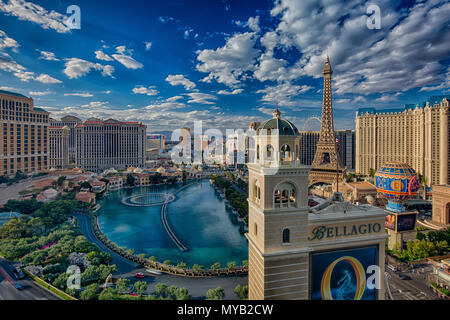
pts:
[285, 196]
[296, 152]
[269, 152]
[285, 153]
[286, 236]
[256, 192]
[256, 229]
[257, 152]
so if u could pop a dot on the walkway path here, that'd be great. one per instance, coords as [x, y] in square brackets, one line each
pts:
[166, 224]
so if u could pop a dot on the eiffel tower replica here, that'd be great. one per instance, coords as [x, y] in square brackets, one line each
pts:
[326, 166]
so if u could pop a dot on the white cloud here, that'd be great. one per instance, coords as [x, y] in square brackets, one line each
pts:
[202, 98]
[150, 91]
[6, 88]
[283, 94]
[125, 59]
[39, 93]
[229, 64]
[80, 94]
[387, 98]
[100, 55]
[47, 55]
[165, 19]
[407, 52]
[179, 79]
[166, 106]
[34, 13]
[75, 68]
[187, 32]
[267, 111]
[233, 92]
[174, 98]
[148, 45]
[7, 42]
[45, 78]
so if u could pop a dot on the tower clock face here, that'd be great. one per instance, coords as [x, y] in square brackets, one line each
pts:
[342, 275]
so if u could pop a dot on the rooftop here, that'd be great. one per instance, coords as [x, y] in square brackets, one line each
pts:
[13, 94]
[431, 102]
[283, 126]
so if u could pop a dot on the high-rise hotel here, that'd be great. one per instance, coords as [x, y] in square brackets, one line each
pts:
[101, 145]
[70, 122]
[418, 135]
[24, 133]
[59, 146]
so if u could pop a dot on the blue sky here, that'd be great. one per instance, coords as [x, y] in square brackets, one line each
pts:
[168, 63]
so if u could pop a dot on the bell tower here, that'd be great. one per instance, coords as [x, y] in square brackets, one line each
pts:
[278, 214]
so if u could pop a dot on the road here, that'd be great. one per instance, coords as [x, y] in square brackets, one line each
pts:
[414, 289]
[31, 291]
[197, 287]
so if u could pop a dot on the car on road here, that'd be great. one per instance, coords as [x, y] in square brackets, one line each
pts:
[404, 277]
[139, 275]
[18, 273]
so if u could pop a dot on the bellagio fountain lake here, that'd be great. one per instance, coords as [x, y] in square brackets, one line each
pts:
[178, 223]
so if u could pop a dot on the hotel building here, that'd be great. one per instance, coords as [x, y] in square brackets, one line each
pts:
[24, 133]
[101, 145]
[346, 141]
[59, 146]
[70, 122]
[418, 135]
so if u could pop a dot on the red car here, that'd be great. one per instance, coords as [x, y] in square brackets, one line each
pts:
[139, 275]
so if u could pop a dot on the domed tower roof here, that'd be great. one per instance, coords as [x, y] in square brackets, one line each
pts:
[285, 127]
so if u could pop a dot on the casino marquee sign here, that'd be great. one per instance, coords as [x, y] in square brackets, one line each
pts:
[324, 232]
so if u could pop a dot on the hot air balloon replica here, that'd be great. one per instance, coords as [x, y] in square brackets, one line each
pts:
[397, 182]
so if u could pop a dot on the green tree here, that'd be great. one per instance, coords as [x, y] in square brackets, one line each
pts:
[231, 265]
[241, 292]
[91, 292]
[161, 289]
[167, 262]
[183, 294]
[142, 255]
[131, 180]
[197, 267]
[215, 294]
[216, 266]
[182, 265]
[109, 294]
[245, 263]
[60, 180]
[140, 287]
[122, 285]
[85, 185]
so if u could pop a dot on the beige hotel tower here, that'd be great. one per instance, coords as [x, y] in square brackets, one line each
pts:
[296, 252]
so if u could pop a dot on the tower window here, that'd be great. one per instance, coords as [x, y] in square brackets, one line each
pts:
[256, 229]
[286, 236]
[269, 152]
[285, 196]
[285, 153]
